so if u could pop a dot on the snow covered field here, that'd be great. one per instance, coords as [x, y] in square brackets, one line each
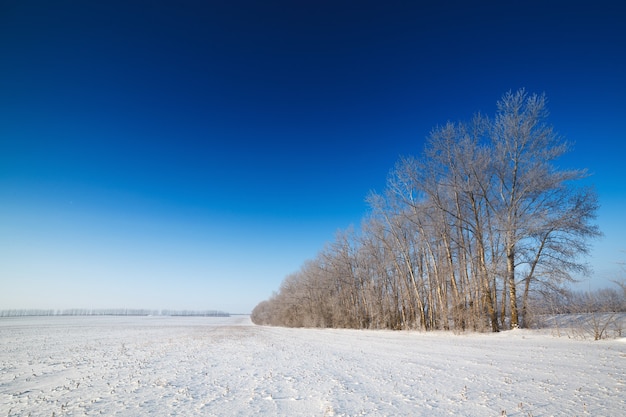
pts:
[187, 366]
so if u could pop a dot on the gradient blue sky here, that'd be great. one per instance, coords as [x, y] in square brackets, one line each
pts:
[190, 155]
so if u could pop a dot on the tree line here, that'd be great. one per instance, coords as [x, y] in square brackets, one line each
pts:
[110, 312]
[465, 236]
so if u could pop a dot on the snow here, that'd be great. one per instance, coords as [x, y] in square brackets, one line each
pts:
[147, 366]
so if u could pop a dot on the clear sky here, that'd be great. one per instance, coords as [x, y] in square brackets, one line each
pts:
[191, 154]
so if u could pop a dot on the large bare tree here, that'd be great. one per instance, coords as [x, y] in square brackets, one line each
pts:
[536, 205]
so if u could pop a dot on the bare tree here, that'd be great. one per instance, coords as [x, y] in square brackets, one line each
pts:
[537, 208]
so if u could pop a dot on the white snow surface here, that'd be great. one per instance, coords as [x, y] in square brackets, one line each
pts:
[204, 366]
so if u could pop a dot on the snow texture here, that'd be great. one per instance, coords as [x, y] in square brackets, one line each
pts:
[165, 366]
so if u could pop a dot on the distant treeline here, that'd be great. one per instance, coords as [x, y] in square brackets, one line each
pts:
[112, 312]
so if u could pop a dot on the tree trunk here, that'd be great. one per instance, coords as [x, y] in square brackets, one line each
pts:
[510, 266]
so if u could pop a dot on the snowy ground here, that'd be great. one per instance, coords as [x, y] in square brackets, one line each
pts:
[159, 366]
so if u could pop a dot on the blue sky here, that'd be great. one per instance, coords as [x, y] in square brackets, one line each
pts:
[190, 155]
